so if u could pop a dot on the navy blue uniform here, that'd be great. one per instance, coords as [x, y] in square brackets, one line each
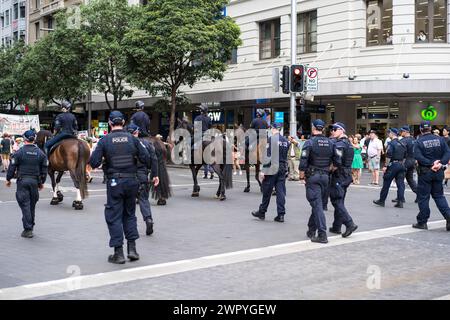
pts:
[275, 179]
[205, 120]
[341, 179]
[142, 120]
[258, 124]
[428, 149]
[396, 152]
[30, 164]
[66, 127]
[410, 162]
[144, 182]
[121, 151]
[318, 154]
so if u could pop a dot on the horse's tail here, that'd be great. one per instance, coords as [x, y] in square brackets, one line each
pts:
[80, 172]
[228, 175]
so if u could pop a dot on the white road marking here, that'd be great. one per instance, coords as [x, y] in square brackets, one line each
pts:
[152, 271]
[447, 297]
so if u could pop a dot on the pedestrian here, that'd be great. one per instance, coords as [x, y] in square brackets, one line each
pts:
[207, 168]
[363, 145]
[410, 163]
[30, 165]
[445, 134]
[143, 173]
[318, 154]
[357, 164]
[374, 150]
[273, 174]
[436, 132]
[6, 151]
[432, 154]
[394, 169]
[341, 178]
[141, 119]
[18, 143]
[119, 152]
[65, 126]
[236, 160]
[294, 157]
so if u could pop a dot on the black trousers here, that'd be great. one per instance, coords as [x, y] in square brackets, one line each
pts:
[27, 195]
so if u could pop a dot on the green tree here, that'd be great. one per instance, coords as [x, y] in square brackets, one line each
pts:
[11, 91]
[55, 68]
[104, 25]
[174, 43]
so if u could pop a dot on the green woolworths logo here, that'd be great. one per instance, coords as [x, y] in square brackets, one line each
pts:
[429, 114]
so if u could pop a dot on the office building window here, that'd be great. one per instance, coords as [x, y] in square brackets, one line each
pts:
[379, 22]
[269, 39]
[16, 11]
[307, 32]
[37, 4]
[2, 21]
[37, 29]
[431, 21]
[233, 59]
[7, 19]
[50, 23]
[22, 12]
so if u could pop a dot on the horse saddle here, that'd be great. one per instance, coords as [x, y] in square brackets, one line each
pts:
[61, 140]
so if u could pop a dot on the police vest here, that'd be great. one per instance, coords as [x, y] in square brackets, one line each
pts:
[321, 152]
[399, 150]
[121, 152]
[408, 142]
[28, 161]
[348, 152]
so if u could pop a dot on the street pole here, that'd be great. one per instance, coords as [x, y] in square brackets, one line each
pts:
[89, 105]
[293, 111]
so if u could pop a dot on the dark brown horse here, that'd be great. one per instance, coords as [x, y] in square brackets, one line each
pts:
[70, 155]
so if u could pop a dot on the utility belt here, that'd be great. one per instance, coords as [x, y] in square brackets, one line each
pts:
[311, 171]
[122, 175]
[423, 169]
[343, 171]
[398, 161]
[26, 176]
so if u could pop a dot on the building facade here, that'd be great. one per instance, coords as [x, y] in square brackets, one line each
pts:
[12, 21]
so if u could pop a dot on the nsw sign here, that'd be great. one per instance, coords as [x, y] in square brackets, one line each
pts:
[312, 79]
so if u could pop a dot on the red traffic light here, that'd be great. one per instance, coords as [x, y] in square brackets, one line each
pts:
[297, 71]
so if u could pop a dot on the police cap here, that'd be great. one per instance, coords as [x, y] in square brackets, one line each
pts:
[318, 124]
[116, 117]
[30, 135]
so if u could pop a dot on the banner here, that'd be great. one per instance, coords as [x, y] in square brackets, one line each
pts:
[18, 124]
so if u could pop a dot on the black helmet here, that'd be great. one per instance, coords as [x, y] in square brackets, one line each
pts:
[203, 108]
[260, 112]
[66, 105]
[140, 105]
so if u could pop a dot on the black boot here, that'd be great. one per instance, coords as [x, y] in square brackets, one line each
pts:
[350, 229]
[149, 227]
[335, 230]
[212, 176]
[448, 224]
[310, 234]
[117, 257]
[422, 226]
[399, 204]
[395, 200]
[379, 203]
[259, 215]
[322, 238]
[27, 234]
[132, 253]
[279, 218]
[205, 176]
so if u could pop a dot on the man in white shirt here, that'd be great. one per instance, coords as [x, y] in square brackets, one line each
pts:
[374, 155]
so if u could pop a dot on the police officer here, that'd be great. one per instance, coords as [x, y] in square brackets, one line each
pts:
[341, 178]
[30, 164]
[65, 126]
[120, 150]
[393, 169]
[204, 118]
[410, 163]
[432, 154]
[318, 154]
[143, 178]
[259, 123]
[274, 175]
[141, 119]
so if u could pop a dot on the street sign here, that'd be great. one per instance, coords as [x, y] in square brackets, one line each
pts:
[279, 117]
[312, 79]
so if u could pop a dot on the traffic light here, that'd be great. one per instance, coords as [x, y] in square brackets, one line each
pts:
[285, 80]
[297, 78]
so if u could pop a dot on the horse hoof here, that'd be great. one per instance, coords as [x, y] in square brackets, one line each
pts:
[54, 202]
[247, 190]
[195, 194]
[59, 196]
[222, 197]
[77, 205]
[161, 202]
[90, 180]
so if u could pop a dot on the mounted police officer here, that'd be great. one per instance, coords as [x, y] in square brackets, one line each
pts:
[341, 178]
[204, 118]
[274, 175]
[432, 154]
[141, 119]
[143, 178]
[394, 169]
[259, 123]
[318, 154]
[121, 151]
[65, 126]
[30, 164]
[410, 163]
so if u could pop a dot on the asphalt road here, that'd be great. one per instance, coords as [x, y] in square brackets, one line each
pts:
[206, 249]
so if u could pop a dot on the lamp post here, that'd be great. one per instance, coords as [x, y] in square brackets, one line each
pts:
[293, 109]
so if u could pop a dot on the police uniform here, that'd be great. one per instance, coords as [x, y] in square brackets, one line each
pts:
[275, 173]
[428, 149]
[65, 125]
[318, 154]
[142, 120]
[259, 123]
[30, 164]
[144, 181]
[396, 152]
[341, 179]
[205, 120]
[410, 162]
[121, 152]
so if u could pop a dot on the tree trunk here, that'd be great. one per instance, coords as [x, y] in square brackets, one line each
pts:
[172, 113]
[115, 102]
